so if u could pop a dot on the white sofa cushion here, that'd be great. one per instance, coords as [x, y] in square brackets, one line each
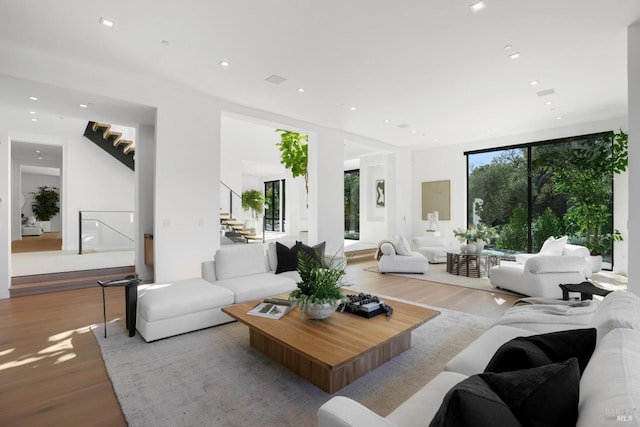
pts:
[258, 286]
[553, 246]
[402, 246]
[241, 260]
[610, 385]
[166, 300]
[619, 309]
[475, 357]
[554, 264]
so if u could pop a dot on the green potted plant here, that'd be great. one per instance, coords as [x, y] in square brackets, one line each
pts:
[45, 205]
[253, 201]
[294, 154]
[319, 291]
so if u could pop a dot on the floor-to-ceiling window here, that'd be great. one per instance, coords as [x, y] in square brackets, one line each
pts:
[274, 218]
[525, 192]
[352, 204]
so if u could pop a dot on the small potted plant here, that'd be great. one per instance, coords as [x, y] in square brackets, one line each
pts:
[45, 205]
[319, 291]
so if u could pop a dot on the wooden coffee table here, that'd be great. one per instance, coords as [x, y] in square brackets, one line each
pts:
[334, 352]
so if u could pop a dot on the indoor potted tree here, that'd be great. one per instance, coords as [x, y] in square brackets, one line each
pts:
[45, 205]
[253, 201]
[319, 291]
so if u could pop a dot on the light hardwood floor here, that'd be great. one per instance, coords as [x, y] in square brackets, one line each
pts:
[52, 372]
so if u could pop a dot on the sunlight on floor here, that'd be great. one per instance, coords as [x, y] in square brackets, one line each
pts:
[61, 350]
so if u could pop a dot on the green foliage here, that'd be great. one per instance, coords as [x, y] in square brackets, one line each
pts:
[294, 153]
[351, 205]
[585, 176]
[45, 203]
[513, 235]
[545, 225]
[318, 283]
[254, 201]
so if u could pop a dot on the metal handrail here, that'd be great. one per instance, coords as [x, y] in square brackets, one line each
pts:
[232, 192]
[80, 219]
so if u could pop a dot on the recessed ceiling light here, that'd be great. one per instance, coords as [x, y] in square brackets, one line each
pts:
[107, 22]
[534, 82]
[414, 131]
[33, 98]
[32, 112]
[386, 120]
[164, 42]
[300, 89]
[515, 55]
[559, 118]
[508, 47]
[353, 108]
[37, 151]
[84, 106]
[548, 103]
[477, 6]
[39, 157]
[34, 120]
[224, 63]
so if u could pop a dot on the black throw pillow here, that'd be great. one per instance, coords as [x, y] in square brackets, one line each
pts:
[538, 350]
[314, 252]
[287, 257]
[543, 396]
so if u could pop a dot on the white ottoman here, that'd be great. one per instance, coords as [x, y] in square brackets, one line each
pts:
[167, 309]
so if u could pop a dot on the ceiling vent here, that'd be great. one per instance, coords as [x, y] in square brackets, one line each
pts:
[275, 79]
[403, 125]
[546, 92]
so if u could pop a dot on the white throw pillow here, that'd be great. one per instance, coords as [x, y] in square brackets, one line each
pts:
[553, 246]
[402, 246]
[619, 309]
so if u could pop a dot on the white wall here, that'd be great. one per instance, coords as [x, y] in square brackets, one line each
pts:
[5, 212]
[92, 181]
[450, 163]
[634, 153]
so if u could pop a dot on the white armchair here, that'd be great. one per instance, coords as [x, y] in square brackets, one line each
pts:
[391, 262]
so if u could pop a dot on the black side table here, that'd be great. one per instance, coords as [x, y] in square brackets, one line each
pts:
[587, 290]
[130, 284]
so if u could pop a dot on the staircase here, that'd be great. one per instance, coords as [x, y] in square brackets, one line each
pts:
[111, 142]
[236, 231]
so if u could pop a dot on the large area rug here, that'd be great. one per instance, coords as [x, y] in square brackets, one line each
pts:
[438, 273]
[214, 377]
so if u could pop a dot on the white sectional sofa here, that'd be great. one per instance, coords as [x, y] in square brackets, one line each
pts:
[238, 273]
[609, 387]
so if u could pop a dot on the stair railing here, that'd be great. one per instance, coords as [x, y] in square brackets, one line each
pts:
[232, 193]
[114, 229]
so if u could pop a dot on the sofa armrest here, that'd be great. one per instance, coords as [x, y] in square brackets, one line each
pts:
[388, 249]
[208, 271]
[341, 411]
[542, 264]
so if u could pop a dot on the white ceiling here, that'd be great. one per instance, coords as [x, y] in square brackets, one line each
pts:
[431, 64]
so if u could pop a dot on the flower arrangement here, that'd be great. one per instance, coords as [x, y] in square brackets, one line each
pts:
[475, 233]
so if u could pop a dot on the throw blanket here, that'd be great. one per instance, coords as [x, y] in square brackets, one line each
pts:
[378, 253]
[566, 312]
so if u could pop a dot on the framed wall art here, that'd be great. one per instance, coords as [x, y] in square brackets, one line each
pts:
[380, 195]
[436, 198]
